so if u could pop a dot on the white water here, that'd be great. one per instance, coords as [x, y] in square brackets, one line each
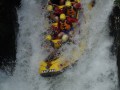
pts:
[96, 70]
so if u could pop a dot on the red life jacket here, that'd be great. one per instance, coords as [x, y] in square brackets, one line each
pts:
[77, 5]
[72, 20]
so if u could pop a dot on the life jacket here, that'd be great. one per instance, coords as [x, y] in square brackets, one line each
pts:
[71, 12]
[77, 6]
[64, 25]
[56, 43]
[55, 27]
[61, 6]
[78, 0]
[59, 10]
[72, 20]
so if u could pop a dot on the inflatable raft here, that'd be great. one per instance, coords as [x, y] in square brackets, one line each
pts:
[57, 62]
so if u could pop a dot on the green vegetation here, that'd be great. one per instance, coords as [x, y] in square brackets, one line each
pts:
[117, 2]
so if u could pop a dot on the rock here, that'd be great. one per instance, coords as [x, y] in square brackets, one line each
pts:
[114, 24]
[8, 29]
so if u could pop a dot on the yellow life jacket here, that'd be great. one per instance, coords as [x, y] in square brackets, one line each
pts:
[57, 43]
[61, 6]
[78, 1]
[55, 24]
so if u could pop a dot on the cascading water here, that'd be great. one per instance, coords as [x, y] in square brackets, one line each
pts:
[96, 69]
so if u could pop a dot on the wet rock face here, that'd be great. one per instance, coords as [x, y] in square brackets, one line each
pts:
[8, 29]
[114, 25]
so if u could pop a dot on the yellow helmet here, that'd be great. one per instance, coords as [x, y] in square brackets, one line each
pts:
[49, 7]
[62, 16]
[48, 37]
[68, 3]
[64, 38]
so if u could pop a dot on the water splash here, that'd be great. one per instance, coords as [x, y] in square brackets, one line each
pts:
[96, 70]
